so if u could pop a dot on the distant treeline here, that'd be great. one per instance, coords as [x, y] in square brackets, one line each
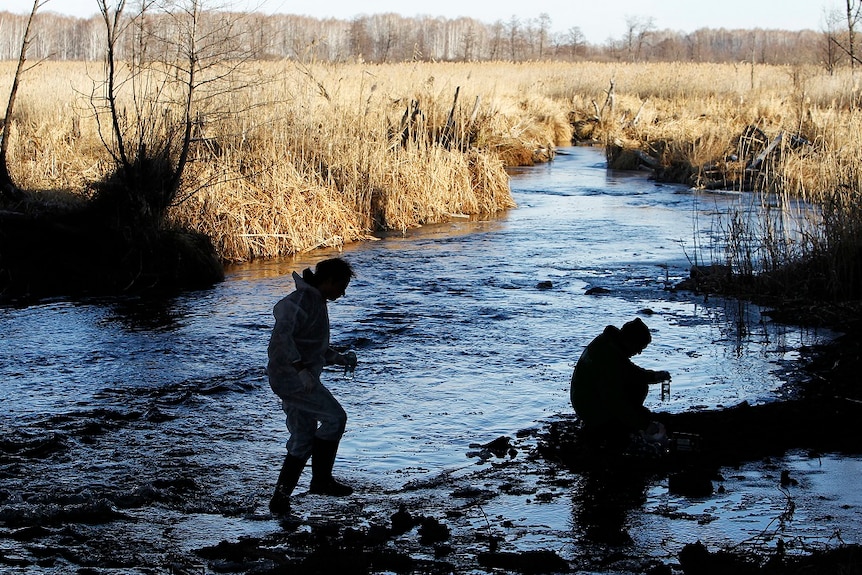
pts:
[393, 38]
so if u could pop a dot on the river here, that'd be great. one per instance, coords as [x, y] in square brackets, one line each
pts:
[464, 332]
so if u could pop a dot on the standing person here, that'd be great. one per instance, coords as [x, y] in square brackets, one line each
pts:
[298, 351]
[608, 390]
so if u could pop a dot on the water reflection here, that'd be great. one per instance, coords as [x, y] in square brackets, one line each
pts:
[156, 313]
[602, 501]
[464, 332]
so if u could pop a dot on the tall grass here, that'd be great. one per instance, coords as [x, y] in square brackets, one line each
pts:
[796, 231]
[317, 159]
[322, 155]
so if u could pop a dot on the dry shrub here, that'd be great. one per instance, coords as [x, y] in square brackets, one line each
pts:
[338, 172]
[321, 155]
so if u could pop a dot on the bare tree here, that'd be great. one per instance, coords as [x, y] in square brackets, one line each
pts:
[544, 23]
[576, 41]
[7, 186]
[157, 102]
[360, 40]
[853, 8]
[514, 28]
[638, 30]
[386, 35]
[496, 48]
[468, 42]
[851, 18]
[831, 53]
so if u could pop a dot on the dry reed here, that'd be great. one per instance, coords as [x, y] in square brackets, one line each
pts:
[322, 156]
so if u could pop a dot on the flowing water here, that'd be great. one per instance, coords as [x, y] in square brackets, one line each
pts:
[464, 332]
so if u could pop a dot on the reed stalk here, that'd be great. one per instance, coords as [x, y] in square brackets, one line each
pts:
[321, 154]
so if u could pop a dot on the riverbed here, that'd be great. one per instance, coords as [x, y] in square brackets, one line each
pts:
[152, 421]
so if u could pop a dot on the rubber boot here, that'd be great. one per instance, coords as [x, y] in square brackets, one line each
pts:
[322, 461]
[287, 480]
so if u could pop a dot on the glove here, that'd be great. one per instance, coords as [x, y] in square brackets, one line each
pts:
[662, 376]
[349, 362]
[308, 379]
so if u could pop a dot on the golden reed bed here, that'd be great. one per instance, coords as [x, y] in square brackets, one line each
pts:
[310, 155]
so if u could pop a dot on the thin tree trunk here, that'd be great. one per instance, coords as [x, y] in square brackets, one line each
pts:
[112, 25]
[851, 24]
[7, 186]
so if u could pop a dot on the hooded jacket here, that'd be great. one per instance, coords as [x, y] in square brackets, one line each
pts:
[608, 389]
[300, 334]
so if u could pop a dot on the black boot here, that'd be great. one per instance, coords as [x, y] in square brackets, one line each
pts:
[287, 480]
[322, 460]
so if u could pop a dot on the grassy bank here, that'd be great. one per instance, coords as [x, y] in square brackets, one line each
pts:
[788, 138]
[319, 156]
[322, 155]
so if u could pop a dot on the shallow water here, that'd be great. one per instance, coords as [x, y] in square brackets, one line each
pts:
[464, 332]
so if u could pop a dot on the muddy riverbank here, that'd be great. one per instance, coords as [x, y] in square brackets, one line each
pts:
[486, 516]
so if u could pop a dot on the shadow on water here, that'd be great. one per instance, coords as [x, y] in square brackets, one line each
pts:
[139, 431]
[148, 313]
[602, 503]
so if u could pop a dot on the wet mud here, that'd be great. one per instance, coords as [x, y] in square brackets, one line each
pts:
[454, 522]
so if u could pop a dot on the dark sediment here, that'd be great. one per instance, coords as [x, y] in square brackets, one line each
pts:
[408, 532]
[73, 252]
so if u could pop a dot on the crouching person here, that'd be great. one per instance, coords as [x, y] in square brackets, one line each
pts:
[608, 390]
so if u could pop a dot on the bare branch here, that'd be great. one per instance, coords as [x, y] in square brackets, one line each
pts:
[7, 186]
[112, 19]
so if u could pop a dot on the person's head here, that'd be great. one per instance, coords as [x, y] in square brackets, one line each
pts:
[330, 277]
[636, 335]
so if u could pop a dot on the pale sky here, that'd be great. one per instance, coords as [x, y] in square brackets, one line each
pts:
[597, 19]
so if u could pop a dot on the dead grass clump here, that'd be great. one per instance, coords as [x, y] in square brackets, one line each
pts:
[272, 210]
[326, 154]
[316, 159]
[521, 130]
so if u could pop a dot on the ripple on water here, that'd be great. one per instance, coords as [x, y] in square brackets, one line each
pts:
[460, 340]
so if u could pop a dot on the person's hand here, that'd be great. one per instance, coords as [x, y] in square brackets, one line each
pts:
[662, 376]
[349, 362]
[308, 379]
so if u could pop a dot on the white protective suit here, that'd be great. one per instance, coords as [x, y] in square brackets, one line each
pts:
[301, 334]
